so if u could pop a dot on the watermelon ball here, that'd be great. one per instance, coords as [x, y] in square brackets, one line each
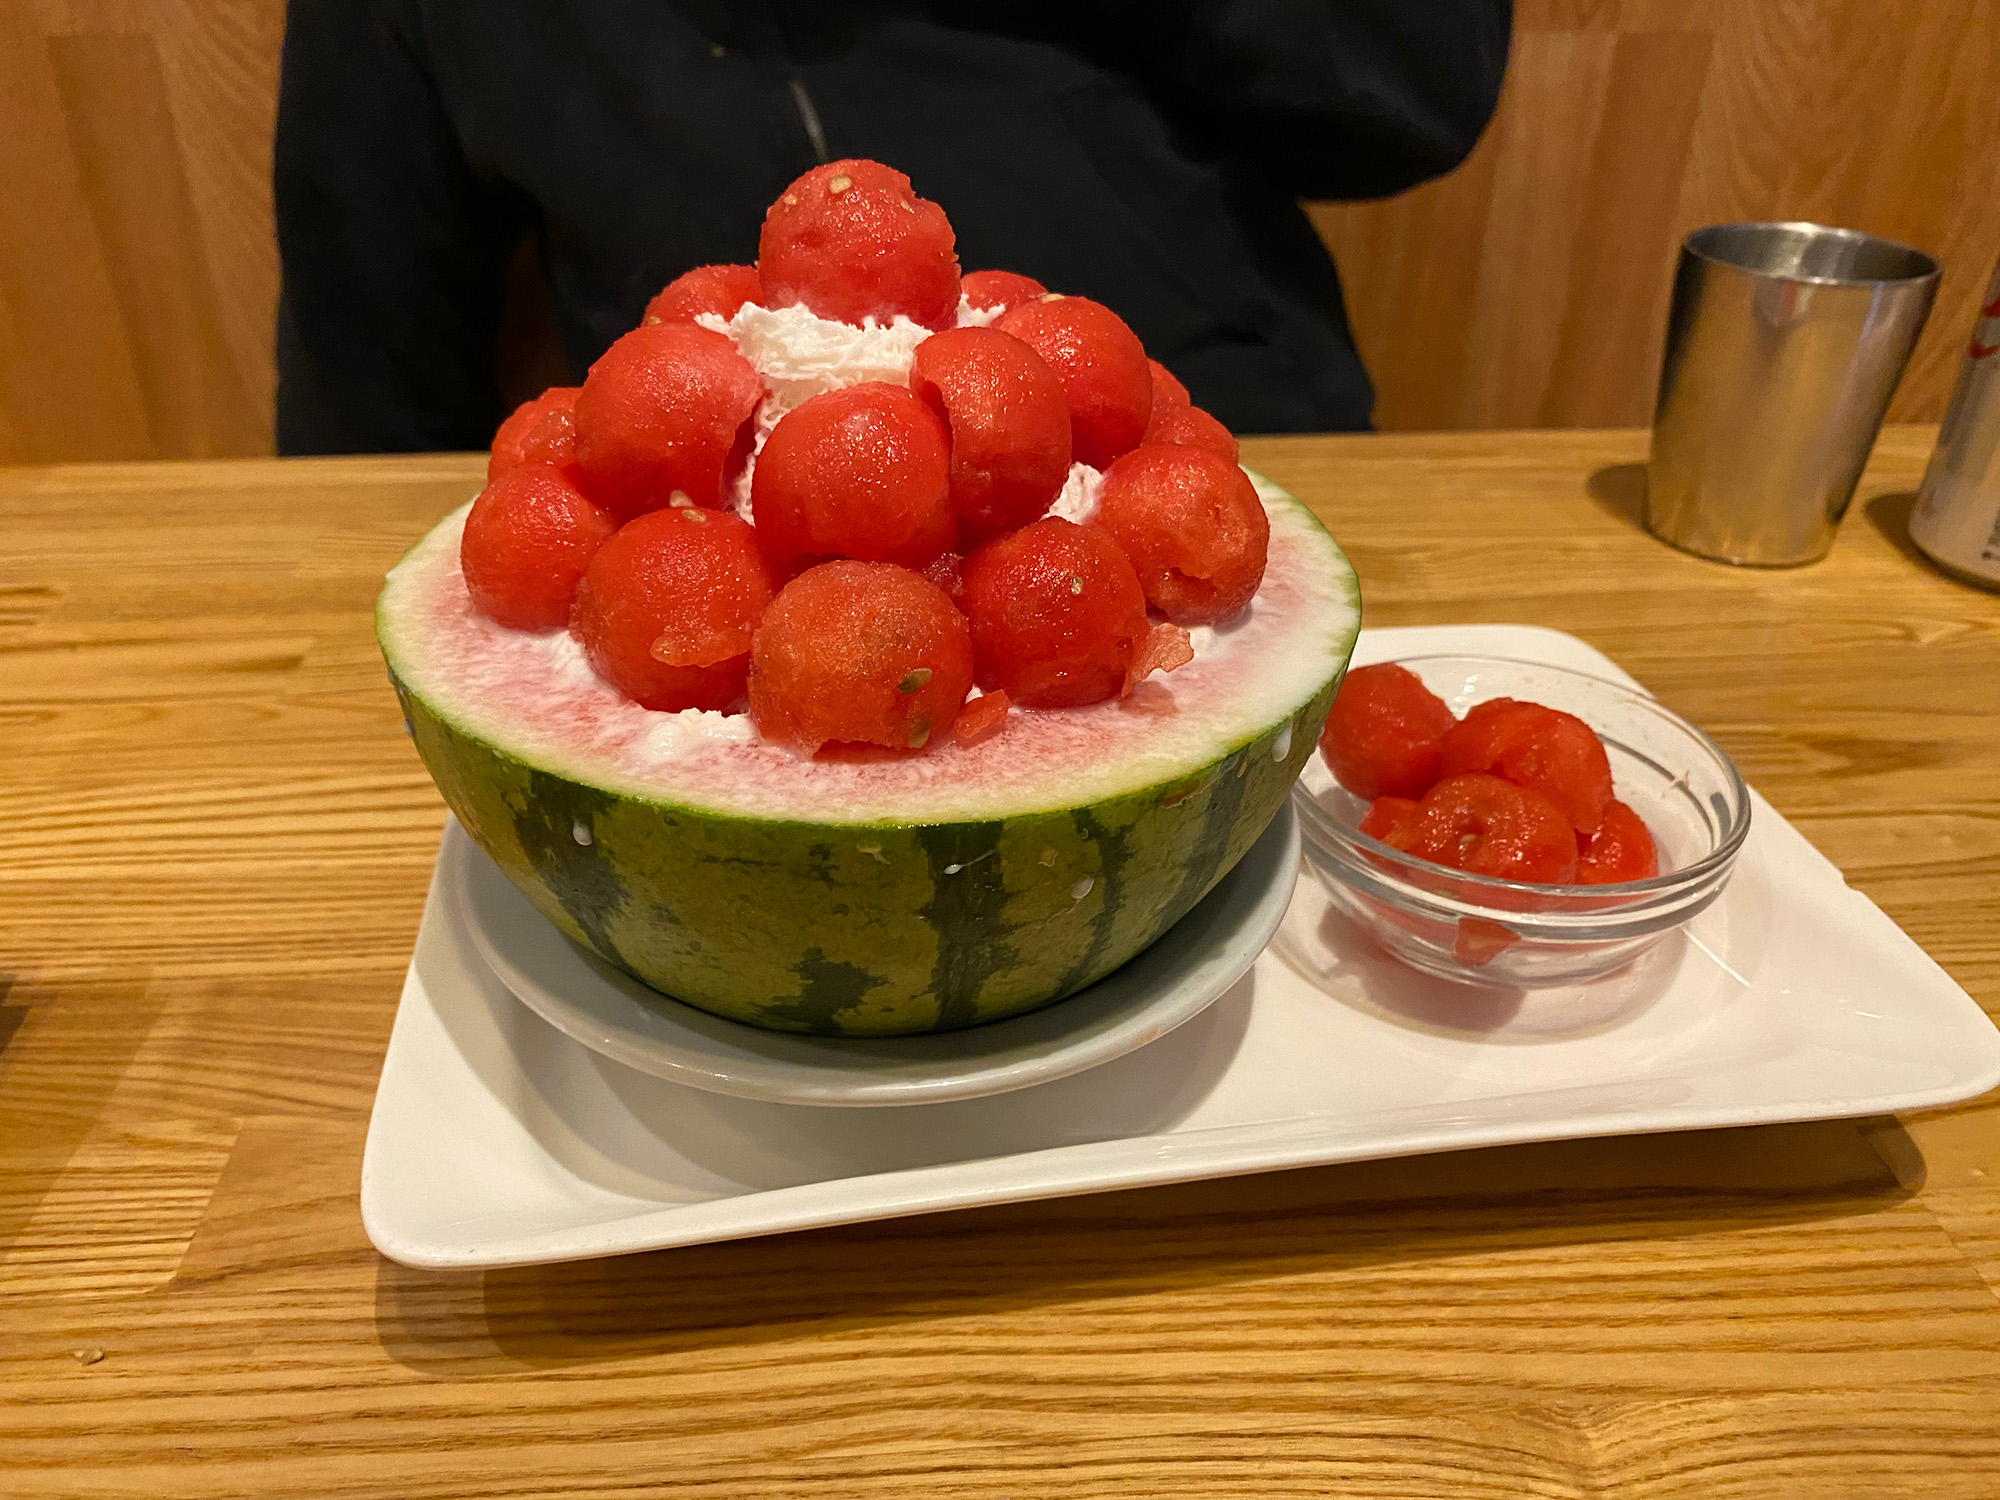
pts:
[1102, 366]
[1193, 527]
[541, 431]
[721, 290]
[1622, 849]
[859, 653]
[665, 419]
[1193, 428]
[861, 472]
[852, 240]
[996, 291]
[1176, 419]
[1168, 393]
[1057, 614]
[526, 543]
[1383, 732]
[668, 606]
[1008, 422]
[1542, 749]
[1485, 825]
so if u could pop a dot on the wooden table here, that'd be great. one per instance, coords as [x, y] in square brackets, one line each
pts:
[217, 847]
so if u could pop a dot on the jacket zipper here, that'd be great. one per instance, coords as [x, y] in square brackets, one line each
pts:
[809, 118]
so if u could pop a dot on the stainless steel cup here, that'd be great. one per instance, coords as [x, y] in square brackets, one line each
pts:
[1784, 344]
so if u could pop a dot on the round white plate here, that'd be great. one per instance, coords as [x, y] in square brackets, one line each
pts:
[1188, 969]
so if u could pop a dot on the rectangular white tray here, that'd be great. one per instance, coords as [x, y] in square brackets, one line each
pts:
[498, 1141]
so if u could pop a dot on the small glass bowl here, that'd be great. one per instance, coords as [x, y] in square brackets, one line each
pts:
[1479, 930]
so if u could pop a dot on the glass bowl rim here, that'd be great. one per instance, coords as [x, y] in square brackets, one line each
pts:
[1322, 828]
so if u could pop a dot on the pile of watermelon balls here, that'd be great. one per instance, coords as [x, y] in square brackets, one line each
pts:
[902, 548]
[1514, 790]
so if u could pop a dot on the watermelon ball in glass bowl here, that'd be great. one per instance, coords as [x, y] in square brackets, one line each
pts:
[1513, 934]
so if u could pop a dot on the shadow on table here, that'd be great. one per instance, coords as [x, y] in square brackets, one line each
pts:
[1321, 1224]
[1620, 492]
[1890, 515]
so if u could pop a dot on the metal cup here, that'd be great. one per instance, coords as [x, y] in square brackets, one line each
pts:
[1784, 344]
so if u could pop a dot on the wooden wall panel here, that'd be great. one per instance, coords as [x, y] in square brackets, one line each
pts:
[1530, 287]
[67, 377]
[138, 277]
[137, 265]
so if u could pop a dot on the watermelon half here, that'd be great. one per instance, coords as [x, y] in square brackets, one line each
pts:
[867, 899]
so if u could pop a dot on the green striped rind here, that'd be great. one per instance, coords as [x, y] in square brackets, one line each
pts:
[866, 930]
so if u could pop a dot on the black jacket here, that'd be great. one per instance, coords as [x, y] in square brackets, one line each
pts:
[1149, 155]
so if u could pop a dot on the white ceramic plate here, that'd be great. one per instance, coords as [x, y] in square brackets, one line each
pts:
[1176, 979]
[497, 1140]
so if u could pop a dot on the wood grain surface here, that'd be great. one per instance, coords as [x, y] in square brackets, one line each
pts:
[1529, 288]
[218, 847]
[138, 273]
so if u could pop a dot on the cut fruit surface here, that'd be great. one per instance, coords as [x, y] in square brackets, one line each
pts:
[1486, 826]
[852, 240]
[1193, 527]
[666, 610]
[1622, 849]
[528, 539]
[862, 472]
[1057, 614]
[996, 291]
[665, 412]
[1008, 422]
[719, 290]
[1102, 366]
[1383, 734]
[541, 431]
[1192, 427]
[852, 897]
[1542, 749]
[860, 653]
[1168, 392]
[1388, 818]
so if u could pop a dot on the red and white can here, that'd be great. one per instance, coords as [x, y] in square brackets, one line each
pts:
[1957, 517]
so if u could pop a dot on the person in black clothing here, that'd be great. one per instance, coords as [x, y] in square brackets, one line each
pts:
[1150, 156]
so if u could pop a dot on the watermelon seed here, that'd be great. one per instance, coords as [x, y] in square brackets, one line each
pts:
[679, 500]
[1052, 296]
[920, 733]
[1081, 889]
[1076, 585]
[874, 851]
[651, 321]
[694, 514]
[1282, 745]
[919, 678]
[1048, 859]
[580, 831]
[791, 200]
[839, 183]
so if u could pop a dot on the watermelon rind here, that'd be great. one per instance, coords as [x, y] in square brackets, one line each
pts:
[806, 903]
